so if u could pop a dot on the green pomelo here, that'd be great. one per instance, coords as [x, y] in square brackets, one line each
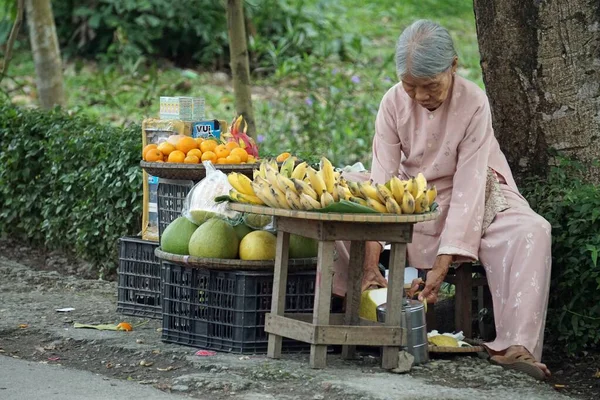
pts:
[258, 245]
[214, 239]
[242, 230]
[303, 247]
[176, 237]
[200, 216]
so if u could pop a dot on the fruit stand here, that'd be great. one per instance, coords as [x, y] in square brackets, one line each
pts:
[321, 328]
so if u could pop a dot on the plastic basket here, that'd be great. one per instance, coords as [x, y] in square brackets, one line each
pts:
[225, 310]
[139, 288]
[171, 196]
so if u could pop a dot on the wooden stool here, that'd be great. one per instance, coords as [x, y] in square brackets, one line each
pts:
[461, 277]
[322, 328]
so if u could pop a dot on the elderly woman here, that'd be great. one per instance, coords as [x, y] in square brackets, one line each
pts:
[438, 123]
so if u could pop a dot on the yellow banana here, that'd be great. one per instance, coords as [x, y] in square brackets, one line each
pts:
[397, 189]
[262, 169]
[358, 200]
[348, 192]
[408, 185]
[354, 189]
[421, 182]
[280, 197]
[293, 199]
[273, 163]
[421, 204]
[288, 167]
[316, 181]
[341, 193]
[255, 173]
[245, 198]
[383, 192]
[326, 199]
[241, 183]
[272, 176]
[300, 171]
[431, 195]
[414, 187]
[376, 205]
[392, 206]
[408, 203]
[284, 183]
[265, 195]
[367, 190]
[308, 203]
[303, 187]
[328, 174]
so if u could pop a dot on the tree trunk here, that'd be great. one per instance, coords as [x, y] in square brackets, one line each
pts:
[541, 68]
[240, 69]
[46, 53]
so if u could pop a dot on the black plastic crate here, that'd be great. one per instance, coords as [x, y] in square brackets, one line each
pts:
[139, 289]
[171, 195]
[225, 310]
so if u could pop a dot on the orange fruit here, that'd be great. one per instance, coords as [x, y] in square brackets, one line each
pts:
[251, 159]
[232, 159]
[195, 152]
[165, 158]
[153, 155]
[283, 156]
[199, 140]
[222, 160]
[208, 145]
[221, 151]
[185, 144]
[209, 156]
[231, 145]
[146, 148]
[166, 148]
[176, 157]
[191, 160]
[241, 153]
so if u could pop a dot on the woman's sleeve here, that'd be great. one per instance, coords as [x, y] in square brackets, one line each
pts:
[387, 149]
[462, 231]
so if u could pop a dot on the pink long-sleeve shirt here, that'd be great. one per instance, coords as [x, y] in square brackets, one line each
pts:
[453, 146]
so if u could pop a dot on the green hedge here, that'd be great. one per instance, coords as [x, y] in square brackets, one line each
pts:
[69, 183]
[573, 209]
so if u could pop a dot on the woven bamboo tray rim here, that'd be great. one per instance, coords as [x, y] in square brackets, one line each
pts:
[192, 171]
[294, 264]
[475, 348]
[342, 217]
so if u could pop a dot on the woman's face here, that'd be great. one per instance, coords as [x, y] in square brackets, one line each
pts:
[430, 92]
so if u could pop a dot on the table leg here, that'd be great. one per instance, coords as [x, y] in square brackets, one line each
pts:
[279, 289]
[318, 353]
[353, 292]
[395, 295]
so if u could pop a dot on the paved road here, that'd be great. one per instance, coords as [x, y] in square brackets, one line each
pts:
[24, 380]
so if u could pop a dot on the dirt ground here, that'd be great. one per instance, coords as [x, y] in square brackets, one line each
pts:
[32, 289]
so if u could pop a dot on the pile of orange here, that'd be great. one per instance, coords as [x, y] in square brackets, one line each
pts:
[190, 150]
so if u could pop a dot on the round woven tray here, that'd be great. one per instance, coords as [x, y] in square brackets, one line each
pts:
[346, 217]
[476, 348]
[194, 172]
[294, 264]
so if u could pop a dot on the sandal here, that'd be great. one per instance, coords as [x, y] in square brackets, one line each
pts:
[521, 361]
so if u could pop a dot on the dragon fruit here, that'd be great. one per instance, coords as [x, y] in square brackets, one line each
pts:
[240, 137]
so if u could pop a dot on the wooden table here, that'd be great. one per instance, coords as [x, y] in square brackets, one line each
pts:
[322, 328]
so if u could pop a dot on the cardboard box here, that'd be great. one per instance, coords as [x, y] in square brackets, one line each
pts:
[156, 131]
[182, 108]
[210, 129]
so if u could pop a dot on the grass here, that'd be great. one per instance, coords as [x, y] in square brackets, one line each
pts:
[312, 105]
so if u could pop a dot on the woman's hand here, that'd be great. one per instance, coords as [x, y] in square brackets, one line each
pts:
[434, 281]
[372, 277]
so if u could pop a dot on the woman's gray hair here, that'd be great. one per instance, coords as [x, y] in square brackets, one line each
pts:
[424, 49]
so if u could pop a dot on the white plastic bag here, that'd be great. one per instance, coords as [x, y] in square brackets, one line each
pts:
[200, 203]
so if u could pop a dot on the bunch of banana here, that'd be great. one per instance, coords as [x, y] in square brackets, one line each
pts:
[301, 187]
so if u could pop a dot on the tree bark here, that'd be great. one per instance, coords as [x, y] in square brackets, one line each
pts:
[240, 69]
[541, 68]
[46, 53]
